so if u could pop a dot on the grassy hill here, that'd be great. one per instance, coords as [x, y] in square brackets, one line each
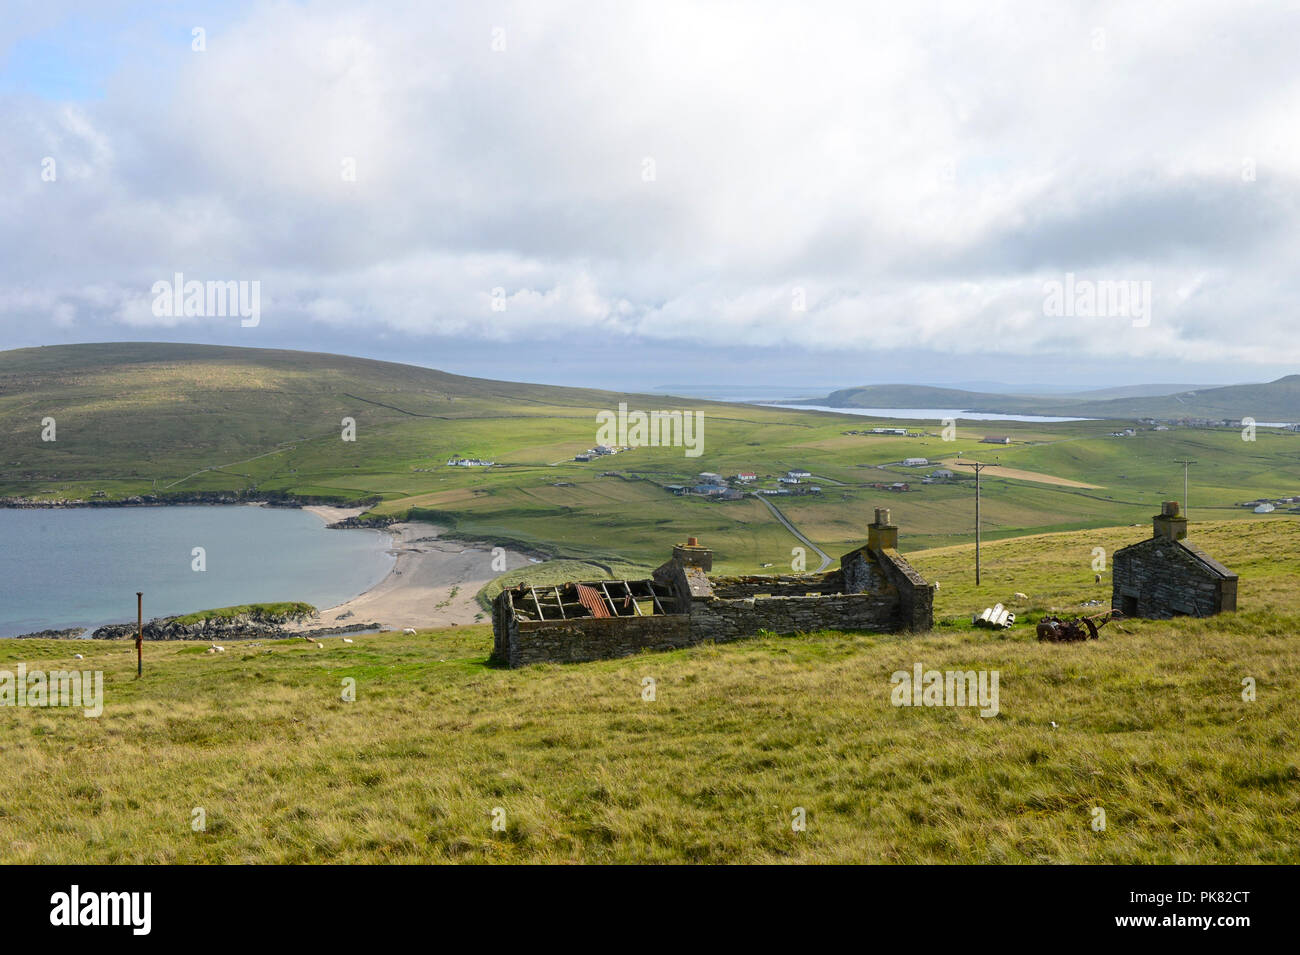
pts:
[1273, 401]
[1147, 723]
[926, 396]
[182, 419]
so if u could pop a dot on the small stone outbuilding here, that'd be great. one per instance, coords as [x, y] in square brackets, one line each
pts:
[685, 603]
[1169, 576]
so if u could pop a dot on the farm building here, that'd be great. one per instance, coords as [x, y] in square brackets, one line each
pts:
[1168, 576]
[995, 439]
[685, 603]
[915, 462]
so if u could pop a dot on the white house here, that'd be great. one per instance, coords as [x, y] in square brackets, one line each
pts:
[915, 462]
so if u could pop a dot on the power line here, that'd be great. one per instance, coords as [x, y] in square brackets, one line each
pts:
[978, 466]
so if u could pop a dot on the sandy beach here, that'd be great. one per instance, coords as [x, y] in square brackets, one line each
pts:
[432, 582]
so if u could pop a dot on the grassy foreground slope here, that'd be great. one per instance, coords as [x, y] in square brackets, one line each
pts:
[1150, 726]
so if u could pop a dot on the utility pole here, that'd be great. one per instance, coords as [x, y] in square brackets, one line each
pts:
[139, 634]
[1186, 465]
[978, 468]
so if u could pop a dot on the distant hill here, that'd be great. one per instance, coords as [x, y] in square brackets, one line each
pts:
[1132, 391]
[131, 411]
[1272, 401]
[925, 396]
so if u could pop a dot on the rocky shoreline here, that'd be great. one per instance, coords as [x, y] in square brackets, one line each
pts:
[266, 498]
[72, 633]
[239, 629]
[376, 522]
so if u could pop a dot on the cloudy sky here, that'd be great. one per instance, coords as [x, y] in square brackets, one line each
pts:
[693, 195]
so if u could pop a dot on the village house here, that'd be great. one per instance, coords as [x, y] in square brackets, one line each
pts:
[1169, 576]
[684, 603]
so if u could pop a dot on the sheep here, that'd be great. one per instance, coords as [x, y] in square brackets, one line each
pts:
[347, 639]
[1019, 596]
[409, 631]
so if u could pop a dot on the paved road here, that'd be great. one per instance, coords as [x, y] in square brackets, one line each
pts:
[826, 558]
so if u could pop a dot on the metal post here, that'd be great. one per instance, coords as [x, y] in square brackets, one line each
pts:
[139, 634]
[978, 468]
[1186, 465]
[977, 526]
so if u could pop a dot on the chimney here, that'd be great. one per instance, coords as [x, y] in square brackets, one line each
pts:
[882, 535]
[1168, 523]
[693, 555]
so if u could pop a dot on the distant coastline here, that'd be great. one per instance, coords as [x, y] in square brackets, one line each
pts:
[259, 498]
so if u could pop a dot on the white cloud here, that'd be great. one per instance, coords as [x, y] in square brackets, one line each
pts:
[919, 171]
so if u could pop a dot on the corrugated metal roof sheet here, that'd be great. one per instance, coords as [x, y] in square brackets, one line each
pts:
[593, 600]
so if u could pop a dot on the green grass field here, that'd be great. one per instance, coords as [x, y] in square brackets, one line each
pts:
[1150, 726]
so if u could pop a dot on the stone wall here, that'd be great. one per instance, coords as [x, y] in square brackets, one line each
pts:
[862, 574]
[874, 589]
[886, 571]
[588, 638]
[1162, 578]
[725, 620]
[915, 596]
[778, 585]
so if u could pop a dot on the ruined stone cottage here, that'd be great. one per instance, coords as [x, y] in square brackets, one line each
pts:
[684, 603]
[1168, 576]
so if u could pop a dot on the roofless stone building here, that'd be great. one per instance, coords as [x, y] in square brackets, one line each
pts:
[684, 603]
[1169, 576]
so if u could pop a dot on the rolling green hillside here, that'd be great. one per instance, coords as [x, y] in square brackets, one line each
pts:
[173, 420]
